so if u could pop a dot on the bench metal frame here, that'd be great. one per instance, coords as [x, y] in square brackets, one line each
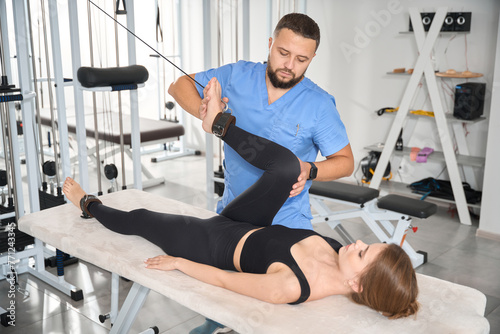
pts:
[378, 220]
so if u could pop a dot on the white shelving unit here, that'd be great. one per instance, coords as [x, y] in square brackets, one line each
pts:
[423, 67]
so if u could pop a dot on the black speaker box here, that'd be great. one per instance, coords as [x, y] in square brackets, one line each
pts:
[454, 21]
[426, 20]
[449, 22]
[469, 100]
[462, 21]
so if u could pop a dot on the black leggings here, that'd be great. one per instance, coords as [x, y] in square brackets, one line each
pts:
[213, 241]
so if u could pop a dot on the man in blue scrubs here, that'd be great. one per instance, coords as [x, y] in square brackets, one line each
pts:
[276, 101]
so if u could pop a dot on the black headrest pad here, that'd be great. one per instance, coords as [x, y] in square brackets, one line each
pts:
[101, 77]
[344, 191]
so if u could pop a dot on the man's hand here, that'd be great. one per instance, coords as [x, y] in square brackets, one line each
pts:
[203, 107]
[303, 176]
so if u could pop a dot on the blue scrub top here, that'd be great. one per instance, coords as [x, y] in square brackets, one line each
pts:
[304, 120]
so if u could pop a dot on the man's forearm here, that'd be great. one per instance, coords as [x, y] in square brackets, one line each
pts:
[336, 166]
[183, 90]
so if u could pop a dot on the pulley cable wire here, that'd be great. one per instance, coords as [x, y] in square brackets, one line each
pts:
[149, 46]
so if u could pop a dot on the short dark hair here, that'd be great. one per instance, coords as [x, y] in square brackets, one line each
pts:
[300, 24]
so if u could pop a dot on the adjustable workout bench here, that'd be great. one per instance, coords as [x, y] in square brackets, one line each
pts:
[152, 132]
[376, 212]
[117, 79]
[445, 307]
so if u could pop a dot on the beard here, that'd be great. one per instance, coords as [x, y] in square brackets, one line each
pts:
[277, 82]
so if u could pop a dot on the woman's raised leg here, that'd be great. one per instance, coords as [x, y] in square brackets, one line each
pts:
[258, 204]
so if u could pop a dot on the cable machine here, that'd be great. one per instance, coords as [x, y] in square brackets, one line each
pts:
[168, 110]
[110, 169]
[215, 179]
[16, 259]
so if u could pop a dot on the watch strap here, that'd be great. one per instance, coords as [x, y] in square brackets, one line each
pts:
[313, 173]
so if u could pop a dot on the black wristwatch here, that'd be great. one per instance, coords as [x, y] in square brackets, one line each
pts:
[313, 172]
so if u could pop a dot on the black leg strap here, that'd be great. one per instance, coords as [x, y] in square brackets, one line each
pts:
[84, 203]
[221, 124]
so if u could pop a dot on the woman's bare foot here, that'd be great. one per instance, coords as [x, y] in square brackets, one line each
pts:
[213, 105]
[73, 191]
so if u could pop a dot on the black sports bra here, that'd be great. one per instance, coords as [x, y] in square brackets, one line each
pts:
[273, 244]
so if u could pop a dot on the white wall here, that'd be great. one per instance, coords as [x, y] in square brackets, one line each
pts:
[359, 81]
[361, 41]
[488, 225]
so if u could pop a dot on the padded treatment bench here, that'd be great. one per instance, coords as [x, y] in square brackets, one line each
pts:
[445, 307]
[376, 212]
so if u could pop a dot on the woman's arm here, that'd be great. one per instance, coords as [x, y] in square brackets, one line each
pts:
[280, 287]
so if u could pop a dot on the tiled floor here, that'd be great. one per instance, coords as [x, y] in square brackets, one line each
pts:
[454, 254]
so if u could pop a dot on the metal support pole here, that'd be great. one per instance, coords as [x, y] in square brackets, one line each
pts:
[246, 28]
[207, 37]
[51, 97]
[81, 136]
[35, 86]
[59, 89]
[134, 103]
[133, 303]
[120, 109]
[4, 116]
[115, 294]
[27, 110]
[94, 104]
[302, 6]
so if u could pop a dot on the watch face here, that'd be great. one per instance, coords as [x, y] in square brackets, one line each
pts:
[313, 172]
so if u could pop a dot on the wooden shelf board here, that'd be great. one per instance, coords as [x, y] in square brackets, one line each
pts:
[459, 75]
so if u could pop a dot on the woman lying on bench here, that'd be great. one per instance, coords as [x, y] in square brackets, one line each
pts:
[274, 263]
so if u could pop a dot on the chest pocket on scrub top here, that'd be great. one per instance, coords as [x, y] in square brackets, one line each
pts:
[289, 133]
